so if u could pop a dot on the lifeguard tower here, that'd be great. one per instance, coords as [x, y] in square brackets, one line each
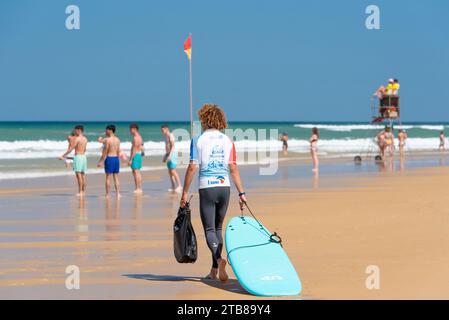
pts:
[387, 110]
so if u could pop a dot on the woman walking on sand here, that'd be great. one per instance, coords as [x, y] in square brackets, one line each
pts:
[402, 138]
[442, 141]
[389, 141]
[313, 148]
[214, 153]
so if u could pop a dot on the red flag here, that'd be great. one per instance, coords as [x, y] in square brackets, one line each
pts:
[188, 47]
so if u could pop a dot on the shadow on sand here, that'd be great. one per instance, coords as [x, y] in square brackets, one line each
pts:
[232, 285]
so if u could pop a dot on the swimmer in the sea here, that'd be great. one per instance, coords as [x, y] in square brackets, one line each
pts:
[284, 138]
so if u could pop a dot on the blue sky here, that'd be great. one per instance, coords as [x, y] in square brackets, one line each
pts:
[260, 60]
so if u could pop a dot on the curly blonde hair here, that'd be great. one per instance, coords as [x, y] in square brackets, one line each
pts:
[212, 117]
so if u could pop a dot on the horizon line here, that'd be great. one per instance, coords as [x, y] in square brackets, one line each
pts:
[237, 121]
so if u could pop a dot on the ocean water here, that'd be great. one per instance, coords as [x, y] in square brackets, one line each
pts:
[30, 149]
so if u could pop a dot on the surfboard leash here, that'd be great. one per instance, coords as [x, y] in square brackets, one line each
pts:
[274, 237]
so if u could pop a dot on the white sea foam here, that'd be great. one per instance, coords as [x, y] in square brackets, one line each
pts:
[43, 149]
[353, 127]
[338, 128]
[246, 150]
[334, 146]
[432, 127]
[362, 145]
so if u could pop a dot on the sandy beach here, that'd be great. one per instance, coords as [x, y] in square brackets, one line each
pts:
[328, 120]
[333, 227]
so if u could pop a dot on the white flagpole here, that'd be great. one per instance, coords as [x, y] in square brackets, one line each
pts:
[190, 93]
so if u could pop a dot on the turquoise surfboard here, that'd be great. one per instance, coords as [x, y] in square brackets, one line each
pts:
[261, 266]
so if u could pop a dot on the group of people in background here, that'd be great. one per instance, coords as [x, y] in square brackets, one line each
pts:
[112, 156]
[313, 141]
[385, 141]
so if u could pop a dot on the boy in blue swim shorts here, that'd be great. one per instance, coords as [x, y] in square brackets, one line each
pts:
[110, 159]
[171, 159]
[112, 165]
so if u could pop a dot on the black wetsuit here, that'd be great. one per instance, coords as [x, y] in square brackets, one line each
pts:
[213, 206]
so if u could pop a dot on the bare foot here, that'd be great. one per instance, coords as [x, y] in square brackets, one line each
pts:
[212, 275]
[222, 275]
[138, 191]
[178, 189]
